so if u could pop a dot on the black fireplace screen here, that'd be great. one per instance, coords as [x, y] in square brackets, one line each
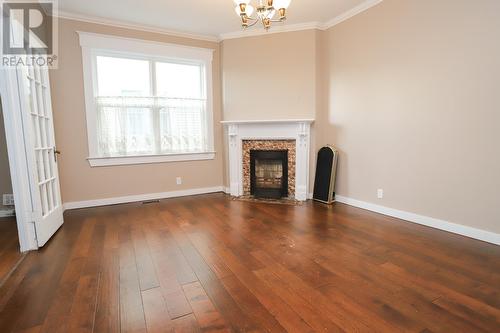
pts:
[269, 173]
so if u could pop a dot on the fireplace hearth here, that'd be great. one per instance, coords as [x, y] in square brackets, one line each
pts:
[269, 173]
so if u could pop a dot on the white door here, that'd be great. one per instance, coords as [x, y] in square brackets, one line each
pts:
[41, 153]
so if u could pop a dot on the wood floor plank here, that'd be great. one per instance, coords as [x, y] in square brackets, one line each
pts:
[9, 287]
[165, 268]
[249, 304]
[340, 309]
[145, 266]
[156, 312]
[209, 263]
[10, 253]
[81, 318]
[131, 309]
[469, 302]
[186, 324]
[283, 313]
[107, 318]
[238, 320]
[208, 317]
[39, 288]
[83, 257]
[305, 310]
[473, 318]
[216, 264]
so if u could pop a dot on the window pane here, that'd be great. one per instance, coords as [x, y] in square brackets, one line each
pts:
[125, 128]
[133, 121]
[178, 80]
[122, 77]
[182, 126]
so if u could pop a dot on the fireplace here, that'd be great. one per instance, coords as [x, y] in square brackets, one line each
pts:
[269, 173]
[270, 135]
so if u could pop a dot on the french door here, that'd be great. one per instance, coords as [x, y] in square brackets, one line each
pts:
[41, 153]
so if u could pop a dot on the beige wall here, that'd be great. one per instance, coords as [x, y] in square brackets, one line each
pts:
[414, 107]
[5, 181]
[270, 77]
[81, 182]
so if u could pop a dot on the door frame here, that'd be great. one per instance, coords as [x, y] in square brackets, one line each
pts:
[18, 163]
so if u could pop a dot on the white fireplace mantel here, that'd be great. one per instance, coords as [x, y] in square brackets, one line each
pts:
[290, 129]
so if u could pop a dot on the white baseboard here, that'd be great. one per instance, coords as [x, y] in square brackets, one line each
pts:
[140, 197]
[483, 235]
[7, 212]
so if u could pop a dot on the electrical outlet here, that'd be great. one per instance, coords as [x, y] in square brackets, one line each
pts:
[8, 199]
[380, 193]
[178, 180]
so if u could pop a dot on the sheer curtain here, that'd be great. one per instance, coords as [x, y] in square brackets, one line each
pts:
[150, 125]
[140, 116]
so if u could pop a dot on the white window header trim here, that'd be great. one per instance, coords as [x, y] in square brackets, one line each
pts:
[145, 47]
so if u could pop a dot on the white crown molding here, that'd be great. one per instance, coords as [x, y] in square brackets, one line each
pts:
[274, 30]
[350, 13]
[133, 26]
[229, 35]
[140, 197]
[483, 235]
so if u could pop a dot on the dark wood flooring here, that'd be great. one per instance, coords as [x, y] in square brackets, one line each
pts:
[9, 246]
[208, 263]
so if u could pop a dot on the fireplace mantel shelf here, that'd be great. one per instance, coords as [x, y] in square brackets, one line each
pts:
[272, 121]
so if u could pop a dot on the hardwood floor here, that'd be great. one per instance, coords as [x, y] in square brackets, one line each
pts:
[9, 246]
[208, 263]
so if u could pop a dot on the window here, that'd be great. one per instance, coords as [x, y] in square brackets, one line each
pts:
[146, 102]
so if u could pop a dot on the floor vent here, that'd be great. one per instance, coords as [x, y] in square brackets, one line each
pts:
[150, 202]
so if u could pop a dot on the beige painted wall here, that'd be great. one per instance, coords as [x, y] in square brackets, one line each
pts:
[81, 182]
[275, 76]
[414, 107]
[5, 181]
[270, 77]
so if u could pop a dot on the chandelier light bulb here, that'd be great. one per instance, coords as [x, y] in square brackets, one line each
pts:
[248, 10]
[270, 13]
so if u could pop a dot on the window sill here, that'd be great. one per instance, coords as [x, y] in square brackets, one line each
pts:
[149, 159]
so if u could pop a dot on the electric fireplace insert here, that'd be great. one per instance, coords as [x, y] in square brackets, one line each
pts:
[269, 173]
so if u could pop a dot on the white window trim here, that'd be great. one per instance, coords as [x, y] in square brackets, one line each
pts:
[92, 43]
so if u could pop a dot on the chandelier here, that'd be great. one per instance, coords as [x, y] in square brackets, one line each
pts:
[266, 11]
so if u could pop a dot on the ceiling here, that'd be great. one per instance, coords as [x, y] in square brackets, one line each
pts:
[211, 18]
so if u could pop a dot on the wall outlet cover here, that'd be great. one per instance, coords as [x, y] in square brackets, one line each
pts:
[8, 199]
[178, 180]
[380, 193]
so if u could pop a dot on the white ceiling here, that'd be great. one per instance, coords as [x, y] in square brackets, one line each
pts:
[201, 17]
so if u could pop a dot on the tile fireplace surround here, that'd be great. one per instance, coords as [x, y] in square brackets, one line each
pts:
[288, 145]
[269, 135]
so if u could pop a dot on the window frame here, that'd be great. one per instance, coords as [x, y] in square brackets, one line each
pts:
[94, 45]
